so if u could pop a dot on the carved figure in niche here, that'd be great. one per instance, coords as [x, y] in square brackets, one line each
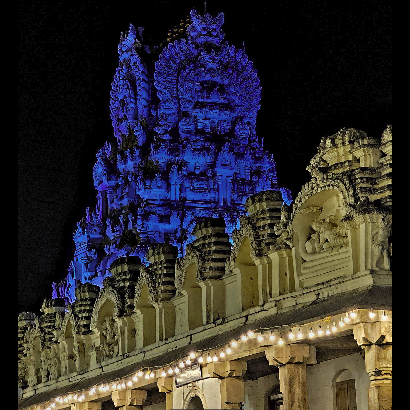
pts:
[380, 244]
[31, 375]
[64, 358]
[327, 235]
[283, 229]
[109, 344]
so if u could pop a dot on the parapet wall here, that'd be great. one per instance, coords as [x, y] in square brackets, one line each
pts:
[335, 237]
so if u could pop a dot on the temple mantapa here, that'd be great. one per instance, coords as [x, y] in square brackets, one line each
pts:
[199, 282]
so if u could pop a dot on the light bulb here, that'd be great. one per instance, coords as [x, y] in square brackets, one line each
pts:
[147, 375]
[347, 318]
[311, 334]
[228, 350]
[328, 330]
[129, 383]
[291, 335]
[222, 354]
[384, 316]
[92, 391]
[170, 371]
[176, 370]
[341, 323]
[163, 374]
[215, 358]
[320, 331]
[135, 378]
[300, 334]
[209, 359]
[244, 338]
[181, 365]
[272, 337]
[192, 355]
[334, 328]
[140, 373]
[372, 315]
[260, 338]
[113, 387]
[200, 359]
[250, 333]
[353, 315]
[280, 341]
[188, 361]
[233, 343]
[152, 375]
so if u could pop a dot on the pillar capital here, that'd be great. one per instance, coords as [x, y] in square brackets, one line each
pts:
[86, 406]
[232, 368]
[291, 354]
[377, 333]
[135, 397]
[165, 384]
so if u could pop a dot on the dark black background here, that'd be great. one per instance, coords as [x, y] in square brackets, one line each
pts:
[322, 65]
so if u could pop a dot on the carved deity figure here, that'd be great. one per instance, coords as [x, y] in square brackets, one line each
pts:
[109, 344]
[327, 235]
[283, 229]
[380, 244]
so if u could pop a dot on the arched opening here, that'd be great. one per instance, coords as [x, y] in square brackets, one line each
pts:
[194, 295]
[249, 276]
[344, 390]
[148, 318]
[67, 351]
[195, 403]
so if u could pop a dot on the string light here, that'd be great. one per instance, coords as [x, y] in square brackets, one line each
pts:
[121, 384]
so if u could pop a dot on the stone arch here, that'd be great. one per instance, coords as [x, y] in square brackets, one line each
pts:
[340, 375]
[194, 294]
[146, 306]
[108, 303]
[195, 399]
[69, 329]
[247, 270]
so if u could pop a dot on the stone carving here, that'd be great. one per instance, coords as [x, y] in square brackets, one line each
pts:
[327, 235]
[109, 342]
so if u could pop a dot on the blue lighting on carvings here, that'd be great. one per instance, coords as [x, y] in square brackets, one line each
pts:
[186, 148]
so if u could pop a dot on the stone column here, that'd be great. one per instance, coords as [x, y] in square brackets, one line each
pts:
[166, 385]
[232, 384]
[129, 399]
[292, 360]
[376, 340]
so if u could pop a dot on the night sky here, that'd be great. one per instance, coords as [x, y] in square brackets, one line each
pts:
[322, 65]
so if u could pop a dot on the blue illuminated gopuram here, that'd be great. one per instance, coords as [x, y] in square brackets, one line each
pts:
[184, 119]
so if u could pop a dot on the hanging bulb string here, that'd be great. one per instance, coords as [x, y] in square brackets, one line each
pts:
[275, 335]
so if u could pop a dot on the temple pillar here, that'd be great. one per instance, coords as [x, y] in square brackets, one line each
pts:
[292, 360]
[232, 383]
[166, 385]
[376, 340]
[129, 399]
